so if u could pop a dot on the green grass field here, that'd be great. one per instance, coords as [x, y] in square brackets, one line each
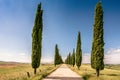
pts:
[18, 71]
[111, 72]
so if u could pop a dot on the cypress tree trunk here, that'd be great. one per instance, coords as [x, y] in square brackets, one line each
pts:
[97, 72]
[73, 58]
[34, 70]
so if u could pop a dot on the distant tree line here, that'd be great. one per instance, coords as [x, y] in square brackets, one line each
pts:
[75, 57]
[70, 59]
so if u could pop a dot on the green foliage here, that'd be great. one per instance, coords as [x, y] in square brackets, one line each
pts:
[60, 59]
[97, 53]
[37, 38]
[73, 58]
[69, 59]
[57, 57]
[78, 52]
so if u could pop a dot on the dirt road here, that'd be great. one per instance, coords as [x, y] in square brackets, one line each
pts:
[63, 73]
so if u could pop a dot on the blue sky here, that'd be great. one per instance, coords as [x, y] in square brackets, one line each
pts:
[62, 20]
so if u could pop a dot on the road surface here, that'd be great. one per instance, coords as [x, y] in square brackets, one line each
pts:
[63, 73]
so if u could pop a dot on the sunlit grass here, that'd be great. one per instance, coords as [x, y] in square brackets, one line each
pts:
[89, 74]
[19, 71]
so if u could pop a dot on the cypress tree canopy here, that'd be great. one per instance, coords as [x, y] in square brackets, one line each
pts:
[78, 51]
[97, 53]
[37, 38]
[57, 57]
[73, 58]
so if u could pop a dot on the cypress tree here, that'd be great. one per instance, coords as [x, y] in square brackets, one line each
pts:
[97, 53]
[69, 58]
[37, 39]
[60, 59]
[73, 58]
[56, 57]
[78, 52]
[66, 61]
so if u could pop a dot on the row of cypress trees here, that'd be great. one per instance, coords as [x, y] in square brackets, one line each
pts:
[97, 52]
[75, 57]
[37, 42]
[70, 59]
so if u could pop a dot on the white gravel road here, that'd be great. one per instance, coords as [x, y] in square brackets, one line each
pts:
[63, 73]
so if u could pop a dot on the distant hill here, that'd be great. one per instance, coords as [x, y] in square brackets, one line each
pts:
[11, 62]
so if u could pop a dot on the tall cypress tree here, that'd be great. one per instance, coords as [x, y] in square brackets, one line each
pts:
[56, 57]
[97, 53]
[73, 58]
[69, 58]
[78, 52]
[60, 59]
[37, 39]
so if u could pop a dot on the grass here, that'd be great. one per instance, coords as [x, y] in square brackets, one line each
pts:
[45, 70]
[112, 66]
[109, 73]
[18, 71]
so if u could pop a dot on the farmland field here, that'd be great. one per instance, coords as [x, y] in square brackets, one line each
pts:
[111, 72]
[18, 71]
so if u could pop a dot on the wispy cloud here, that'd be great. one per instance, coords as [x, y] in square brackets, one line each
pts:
[112, 56]
[47, 60]
[16, 57]
[21, 57]
[86, 58]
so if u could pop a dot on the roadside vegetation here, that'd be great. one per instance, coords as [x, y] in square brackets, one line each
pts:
[110, 72]
[18, 71]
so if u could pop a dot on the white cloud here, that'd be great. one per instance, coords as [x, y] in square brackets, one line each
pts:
[47, 60]
[112, 56]
[21, 57]
[86, 58]
[16, 57]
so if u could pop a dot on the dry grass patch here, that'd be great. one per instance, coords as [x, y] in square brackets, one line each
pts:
[18, 71]
[89, 74]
